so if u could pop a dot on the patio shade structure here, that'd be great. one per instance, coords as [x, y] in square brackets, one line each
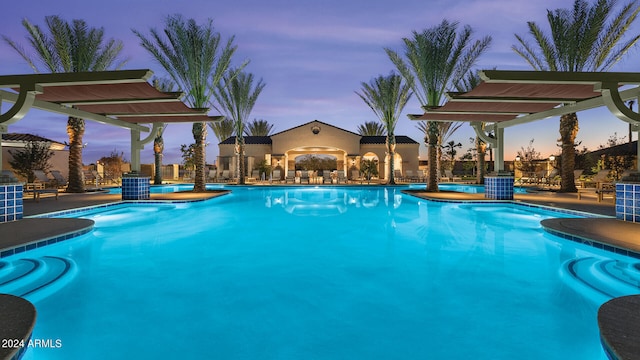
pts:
[509, 98]
[121, 98]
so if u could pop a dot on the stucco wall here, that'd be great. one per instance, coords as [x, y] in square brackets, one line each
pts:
[303, 137]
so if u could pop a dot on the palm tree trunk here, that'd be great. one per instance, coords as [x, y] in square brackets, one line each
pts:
[75, 130]
[241, 164]
[157, 178]
[391, 147]
[200, 136]
[568, 132]
[481, 148]
[432, 183]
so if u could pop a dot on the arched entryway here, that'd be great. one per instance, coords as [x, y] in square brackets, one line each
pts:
[322, 156]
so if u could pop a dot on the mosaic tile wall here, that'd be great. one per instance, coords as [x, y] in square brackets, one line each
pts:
[10, 202]
[628, 202]
[135, 188]
[498, 187]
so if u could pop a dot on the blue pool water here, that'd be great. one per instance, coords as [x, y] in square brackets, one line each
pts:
[324, 273]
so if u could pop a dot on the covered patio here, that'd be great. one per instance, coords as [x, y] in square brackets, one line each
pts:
[509, 98]
[122, 98]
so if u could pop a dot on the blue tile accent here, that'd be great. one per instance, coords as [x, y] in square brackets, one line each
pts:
[10, 202]
[628, 201]
[136, 188]
[498, 187]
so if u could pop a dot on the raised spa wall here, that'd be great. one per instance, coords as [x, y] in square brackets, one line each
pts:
[136, 187]
[628, 201]
[498, 187]
[10, 202]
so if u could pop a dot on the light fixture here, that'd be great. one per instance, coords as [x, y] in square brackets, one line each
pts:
[552, 158]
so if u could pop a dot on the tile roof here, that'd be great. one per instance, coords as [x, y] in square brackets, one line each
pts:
[400, 139]
[253, 140]
[27, 138]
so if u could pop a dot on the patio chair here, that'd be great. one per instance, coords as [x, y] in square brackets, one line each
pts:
[8, 175]
[291, 176]
[212, 175]
[225, 176]
[326, 177]
[410, 176]
[44, 180]
[342, 178]
[448, 174]
[59, 179]
[355, 176]
[255, 175]
[276, 175]
[304, 176]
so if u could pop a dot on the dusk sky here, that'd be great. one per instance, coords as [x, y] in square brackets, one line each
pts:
[312, 55]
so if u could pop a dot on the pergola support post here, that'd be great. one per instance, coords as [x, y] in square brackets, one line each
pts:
[499, 184]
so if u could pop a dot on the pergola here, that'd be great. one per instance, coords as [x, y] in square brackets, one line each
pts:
[121, 98]
[508, 98]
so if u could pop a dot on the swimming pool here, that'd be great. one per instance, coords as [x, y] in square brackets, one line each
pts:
[323, 273]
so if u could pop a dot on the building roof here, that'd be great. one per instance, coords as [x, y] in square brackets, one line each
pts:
[253, 140]
[400, 139]
[24, 138]
[311, 122]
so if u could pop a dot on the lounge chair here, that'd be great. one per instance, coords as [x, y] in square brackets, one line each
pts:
[304, 176]
[212, 175]
[326, 177]
[225, 176]
[355, 176]
[44, 180]
[276, 175]
[59, 179]
[291, 176]
[342, 178]
[448, 175]
[8, 175]
[599, 185]
[410, 176]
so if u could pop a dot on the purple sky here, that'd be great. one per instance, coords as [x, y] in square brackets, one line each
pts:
[312, 55]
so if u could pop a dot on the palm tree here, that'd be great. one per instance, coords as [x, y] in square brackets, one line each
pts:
[69, 47]
[433, 61]
[196, 58]
[445, 131]
[583, 38]
[258, 128]
[387, 97]
[371, 128]
[236, 96]
[222, 129]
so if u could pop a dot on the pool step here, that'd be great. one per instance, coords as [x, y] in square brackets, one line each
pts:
[35, 279]
[602, 279]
